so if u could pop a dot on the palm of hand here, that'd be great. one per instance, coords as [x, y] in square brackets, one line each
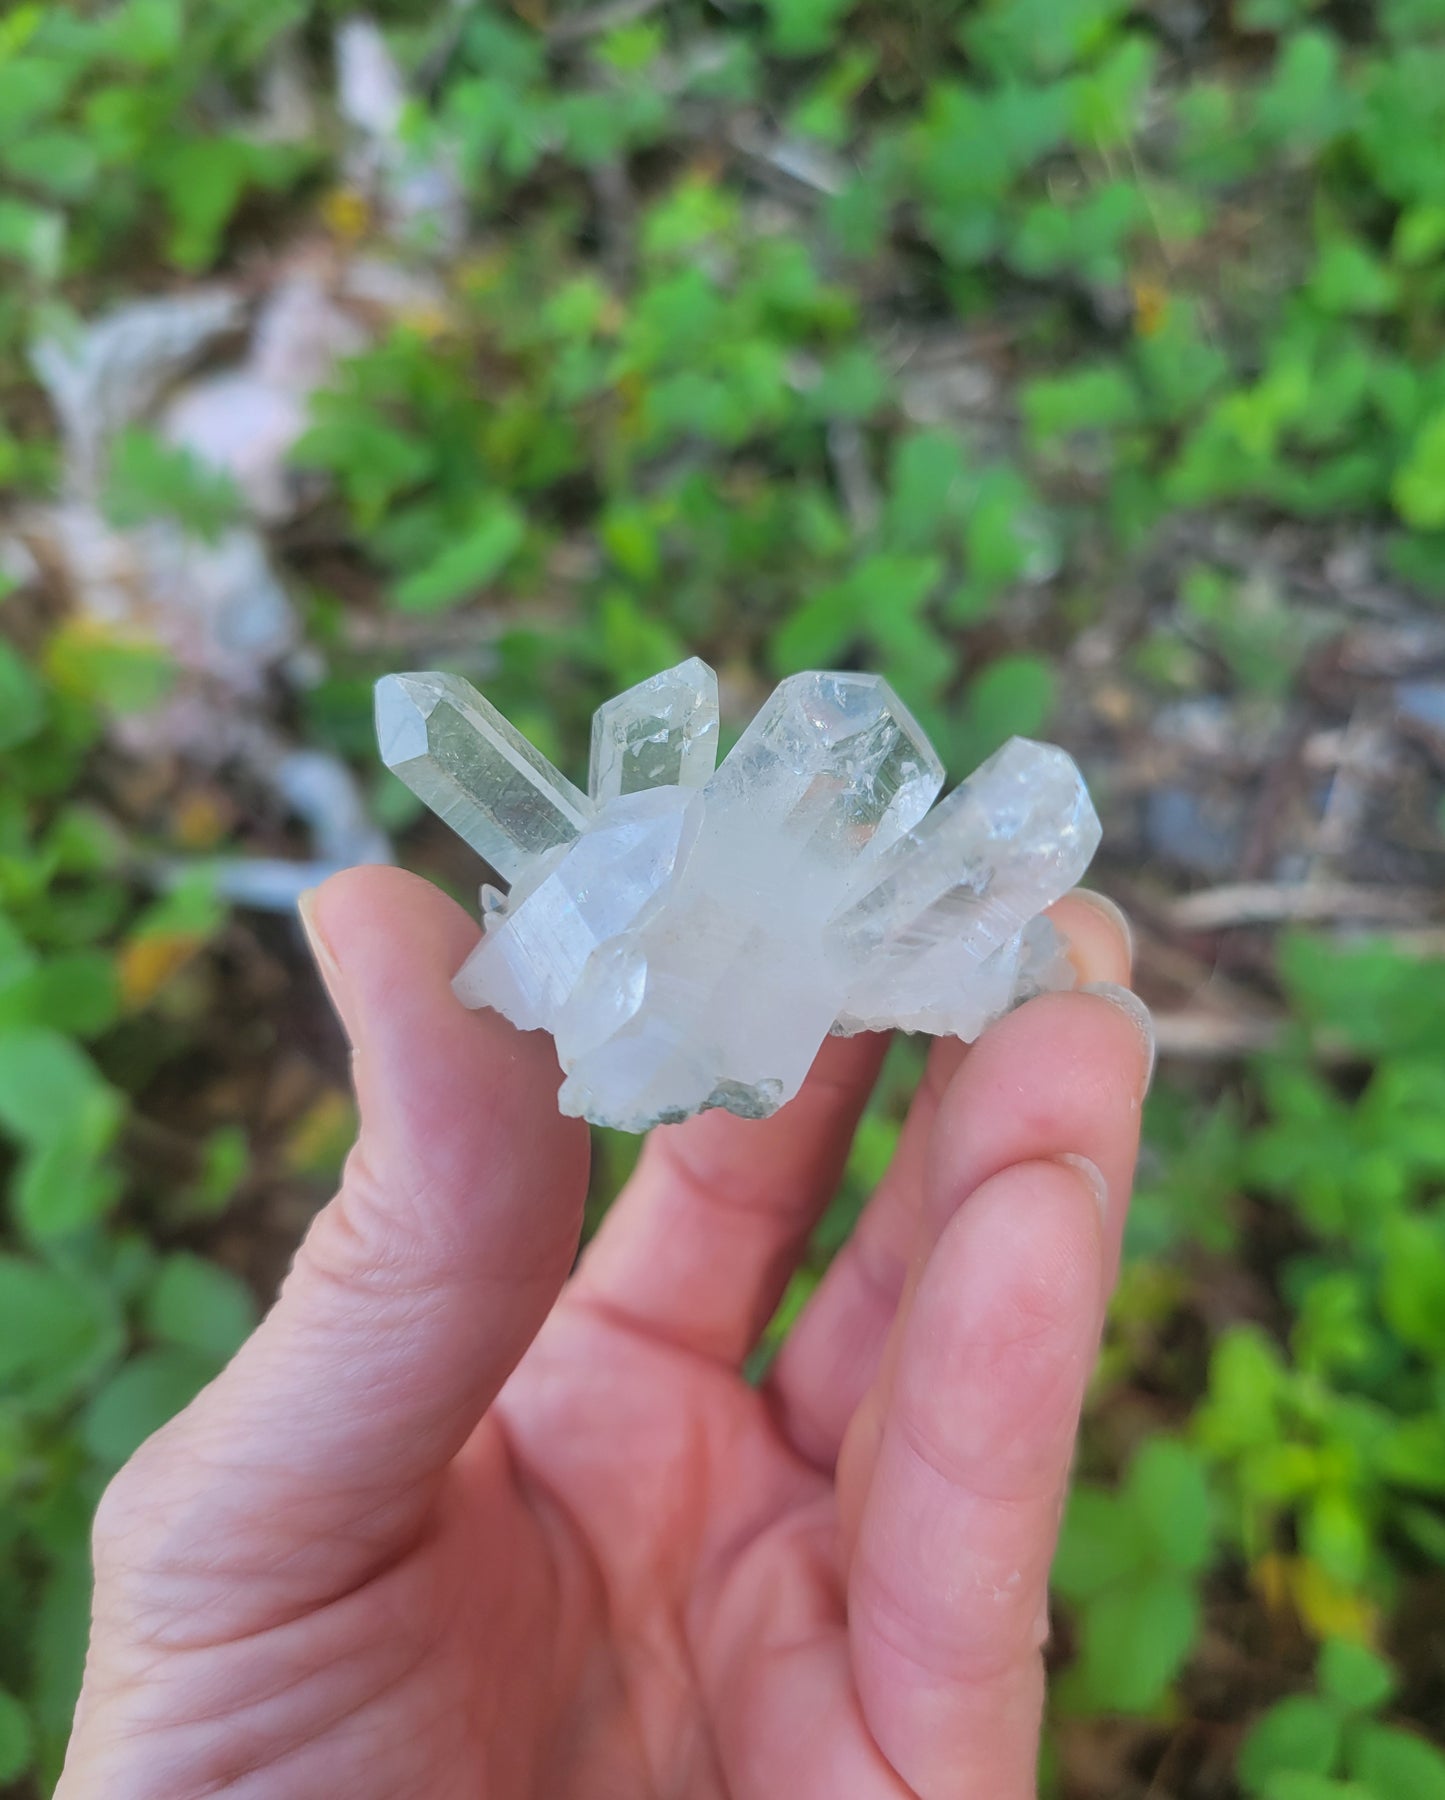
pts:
[668, 1573]
[637, 1574]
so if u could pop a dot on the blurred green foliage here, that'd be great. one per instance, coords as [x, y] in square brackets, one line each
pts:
[1179, 268]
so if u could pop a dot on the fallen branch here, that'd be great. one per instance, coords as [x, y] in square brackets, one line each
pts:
[1213, 1037]
[1274, 903]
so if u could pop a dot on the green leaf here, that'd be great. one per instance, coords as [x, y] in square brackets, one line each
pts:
[55, 1329]
[32, 89]
[33, 236]
[62, 1629]
[635, 644]
[62, 163]
[203, 180]
[150, 479]
[17, 959]
[61, 1188]
[149, 1390]
[1306, 101]
[1366, 993]
[50, 1090]
[479, 553]
[16, 1738]
[1419, 486]
[1301, 1734]
[1348, 279]
[1099, 1545]
[1419, 236]
[927, 490]
[1396, 1764]
[1292, 1785]
[804, 27]
[225, 1159]
[22, 699]
[1086, 239]
[1166, 1489]
[819, 631]
[1097, 398]
[883, 590]
[1107, 102]
[199, 1306]
[374, 460]
[1020, 38]
[1335, 1533]
[192, 908]
[1412, 1292]
[1413, 1453]
[1008, 535]
[146, 33]
[1012, 698]
[76, 993]
[1136, 1638]
[853, 385]
[1354, 1677]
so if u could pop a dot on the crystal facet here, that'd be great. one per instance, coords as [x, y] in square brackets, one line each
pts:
[689, 938]
[835, 763]
[532, 956]
[1006, 843]
[661, 733]
[476, 771]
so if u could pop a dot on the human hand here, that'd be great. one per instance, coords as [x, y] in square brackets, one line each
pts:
[452, 1524]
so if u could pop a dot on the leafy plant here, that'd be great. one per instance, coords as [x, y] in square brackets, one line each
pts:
[1130, 1563]
[1332, 1741]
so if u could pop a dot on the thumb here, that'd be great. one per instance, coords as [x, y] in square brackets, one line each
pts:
[416, 1291]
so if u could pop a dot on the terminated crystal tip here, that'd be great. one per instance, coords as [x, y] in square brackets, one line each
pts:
[661, 733]
[475, 771]
[688, 935]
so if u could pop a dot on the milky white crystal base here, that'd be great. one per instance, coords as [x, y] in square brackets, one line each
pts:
[690, 936]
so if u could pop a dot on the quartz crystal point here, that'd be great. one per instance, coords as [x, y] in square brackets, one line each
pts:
[661, 733]
[476, 771]
[1006, 843]
[835, 764]
[688, 935]
[532, 956]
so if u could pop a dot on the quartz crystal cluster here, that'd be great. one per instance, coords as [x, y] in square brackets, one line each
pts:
[690, 931]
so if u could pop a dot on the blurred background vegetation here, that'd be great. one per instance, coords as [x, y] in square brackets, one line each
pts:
[1078, 365]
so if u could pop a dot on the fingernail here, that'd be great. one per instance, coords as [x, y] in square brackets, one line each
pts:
[1092, 1176]
[324, 956]
[1113, 912]
[1129, 1003]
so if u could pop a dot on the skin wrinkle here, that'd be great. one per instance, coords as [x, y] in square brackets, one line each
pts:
[633, 1652]
[169, 1548]
[182, 1577]
[293, 1677]
[997, 1663]
[366, 1263]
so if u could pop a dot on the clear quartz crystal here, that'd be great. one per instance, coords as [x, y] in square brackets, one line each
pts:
[476, 771]
[1005, 844]
[1022, 826]
[661, 733]
[691, 939]
[835, 763]
[531, 957]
